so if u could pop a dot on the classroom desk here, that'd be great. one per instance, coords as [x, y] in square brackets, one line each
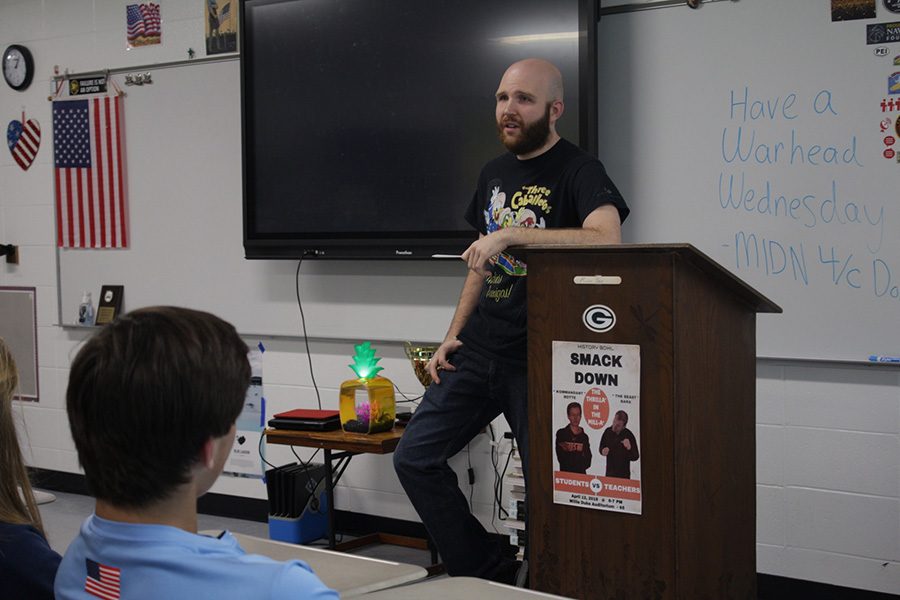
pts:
[453, 588]
[348, 574]
[341, 447]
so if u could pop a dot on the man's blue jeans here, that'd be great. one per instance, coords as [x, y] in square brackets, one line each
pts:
[451, 414]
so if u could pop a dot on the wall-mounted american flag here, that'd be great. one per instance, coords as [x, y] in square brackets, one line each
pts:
[89, 170]
[144, 24]
[102, 581]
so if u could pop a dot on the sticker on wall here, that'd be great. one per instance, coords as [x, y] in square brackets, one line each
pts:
[892, 5]
[849, 10]
[889, 153]
[889, 105]
[897, 61]
[881, 51]
[24, 140]
[599, 318]
[889, 140]
[894, 83]
[87, 85]
[882, 33]
[886, 124]
[897, 126]
[143, 24]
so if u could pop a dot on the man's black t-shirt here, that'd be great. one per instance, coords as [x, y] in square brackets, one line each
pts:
[559, 188]
[619, 458]
[576, 457]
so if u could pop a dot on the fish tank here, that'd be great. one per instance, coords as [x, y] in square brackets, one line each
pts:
[367, 402]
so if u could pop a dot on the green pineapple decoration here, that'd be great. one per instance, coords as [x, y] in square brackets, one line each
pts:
[367, 402]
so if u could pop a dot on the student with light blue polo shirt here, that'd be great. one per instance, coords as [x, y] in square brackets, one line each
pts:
[152, 402]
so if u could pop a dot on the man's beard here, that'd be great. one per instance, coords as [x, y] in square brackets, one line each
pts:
[532, 137]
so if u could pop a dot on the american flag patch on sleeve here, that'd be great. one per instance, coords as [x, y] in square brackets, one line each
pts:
[101, 581]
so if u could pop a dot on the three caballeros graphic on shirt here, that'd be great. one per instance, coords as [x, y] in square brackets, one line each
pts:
[517, 214]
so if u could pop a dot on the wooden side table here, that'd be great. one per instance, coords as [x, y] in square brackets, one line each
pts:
[341, 447]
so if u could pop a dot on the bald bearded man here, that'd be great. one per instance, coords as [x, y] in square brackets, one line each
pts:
[544, 190]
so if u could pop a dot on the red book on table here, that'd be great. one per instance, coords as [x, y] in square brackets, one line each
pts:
[306, 419]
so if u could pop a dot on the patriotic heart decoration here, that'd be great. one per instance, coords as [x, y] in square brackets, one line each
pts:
[23, 141]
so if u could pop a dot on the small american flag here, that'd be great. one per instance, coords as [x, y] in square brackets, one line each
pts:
[143, 20]
[89, 173]
[24, 138]
[102, 581]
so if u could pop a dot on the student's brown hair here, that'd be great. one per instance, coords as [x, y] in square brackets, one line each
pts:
[144, 395]
[16, 506]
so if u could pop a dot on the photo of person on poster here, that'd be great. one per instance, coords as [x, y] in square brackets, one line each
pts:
[573, 448]
[619, 447]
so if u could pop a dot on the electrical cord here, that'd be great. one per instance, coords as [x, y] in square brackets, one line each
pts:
[512, 449]
[494, 509]
[259, 449]
[499, 488]
[407, 399]
[303, 323]
[305, 463]
[308, 357]
[501, 513]
[471, 473]
[505, 515]
[309, 480]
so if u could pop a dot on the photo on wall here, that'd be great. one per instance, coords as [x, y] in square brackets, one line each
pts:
[221, 26]
[143, 24]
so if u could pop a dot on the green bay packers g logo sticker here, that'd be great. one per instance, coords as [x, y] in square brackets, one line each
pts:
[599, 318]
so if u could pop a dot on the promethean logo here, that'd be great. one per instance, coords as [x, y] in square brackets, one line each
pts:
[403, 252]
[599, 318]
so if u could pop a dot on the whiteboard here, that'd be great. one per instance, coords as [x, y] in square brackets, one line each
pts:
[752, 129]
[183, 149]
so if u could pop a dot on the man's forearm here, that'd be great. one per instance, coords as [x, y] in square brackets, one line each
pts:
[602, 226]
[520, 236]
[468, 300]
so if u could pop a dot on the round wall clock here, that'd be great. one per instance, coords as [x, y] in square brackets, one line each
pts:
[18, 67]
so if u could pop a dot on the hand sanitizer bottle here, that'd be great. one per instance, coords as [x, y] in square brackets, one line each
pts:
[86, 310]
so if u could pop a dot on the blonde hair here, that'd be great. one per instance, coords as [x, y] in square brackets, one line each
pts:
[16, 506]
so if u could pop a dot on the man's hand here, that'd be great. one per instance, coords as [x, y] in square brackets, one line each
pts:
[627, 444]
[441, 359]
[604, 451]
[480, 254]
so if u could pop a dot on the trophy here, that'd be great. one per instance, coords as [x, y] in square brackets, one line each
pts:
[419, 357]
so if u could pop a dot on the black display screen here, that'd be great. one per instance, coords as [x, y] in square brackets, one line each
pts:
[366, 122]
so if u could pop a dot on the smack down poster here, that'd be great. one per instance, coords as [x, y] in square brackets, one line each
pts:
[596, 425]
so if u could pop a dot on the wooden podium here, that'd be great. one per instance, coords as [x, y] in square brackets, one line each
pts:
[695, 324]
